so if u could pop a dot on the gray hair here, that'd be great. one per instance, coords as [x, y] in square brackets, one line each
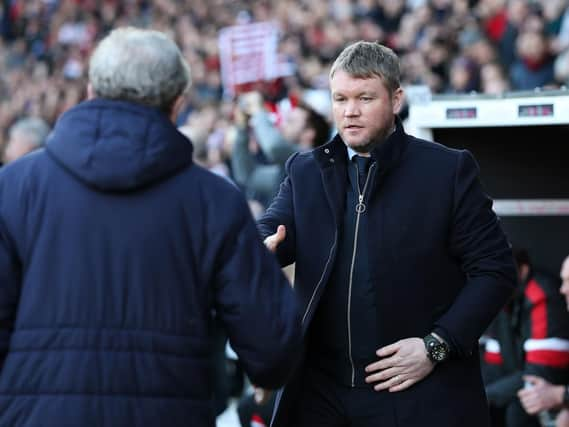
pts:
[34, 129]
[141, 66]
[368, 59]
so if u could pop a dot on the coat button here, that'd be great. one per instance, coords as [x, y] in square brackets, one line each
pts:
[327, 151]
[331, 160]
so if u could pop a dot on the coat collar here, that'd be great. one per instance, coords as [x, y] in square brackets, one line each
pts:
[332, 158]
[387, 155]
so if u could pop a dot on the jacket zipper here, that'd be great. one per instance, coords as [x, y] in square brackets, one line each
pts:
[321, 278]
[360, 208]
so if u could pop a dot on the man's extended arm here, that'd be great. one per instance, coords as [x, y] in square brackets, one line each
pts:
[272, 143]
[256, 304]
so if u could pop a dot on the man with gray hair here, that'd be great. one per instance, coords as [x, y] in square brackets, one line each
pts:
[26, 135]
[116, 251]
[401, 264]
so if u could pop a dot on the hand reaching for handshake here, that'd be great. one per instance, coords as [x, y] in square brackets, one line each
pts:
[274, 240]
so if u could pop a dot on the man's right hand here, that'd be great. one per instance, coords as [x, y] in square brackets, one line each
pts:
[272, 241]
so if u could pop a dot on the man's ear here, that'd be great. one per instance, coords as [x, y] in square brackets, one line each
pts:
[176, 107]
[90, 92]
[397, 100]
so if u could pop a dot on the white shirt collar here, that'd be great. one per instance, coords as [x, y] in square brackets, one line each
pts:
[351, 153]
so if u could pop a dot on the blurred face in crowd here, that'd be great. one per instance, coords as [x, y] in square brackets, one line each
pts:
[565, 280]
[363, 109]
[493, 79]
[18, 145]
[293, 127]
[532, 46]
[517, 11]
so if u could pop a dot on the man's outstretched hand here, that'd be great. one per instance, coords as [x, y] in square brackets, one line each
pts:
[272, 241]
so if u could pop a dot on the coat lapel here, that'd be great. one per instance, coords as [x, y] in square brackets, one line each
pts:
[389, 154]
[331, 158]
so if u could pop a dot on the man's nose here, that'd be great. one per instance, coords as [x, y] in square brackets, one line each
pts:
[352, 109]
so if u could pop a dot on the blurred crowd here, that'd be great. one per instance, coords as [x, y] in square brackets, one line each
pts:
[452, 46]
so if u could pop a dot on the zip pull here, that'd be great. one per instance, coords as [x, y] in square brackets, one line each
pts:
[360, 207]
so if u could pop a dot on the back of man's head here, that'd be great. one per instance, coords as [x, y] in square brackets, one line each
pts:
[24, 136]
[141, 66]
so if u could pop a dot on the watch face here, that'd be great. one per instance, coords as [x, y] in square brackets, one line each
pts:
[439, 353]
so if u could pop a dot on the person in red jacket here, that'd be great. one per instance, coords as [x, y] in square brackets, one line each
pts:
[543, 395]
[530, 337]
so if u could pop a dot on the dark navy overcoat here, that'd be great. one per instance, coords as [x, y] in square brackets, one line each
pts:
[437, 255]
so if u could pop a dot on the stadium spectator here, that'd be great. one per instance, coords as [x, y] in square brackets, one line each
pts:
[260, 173]
[529, 337]
[545, 395]
[25, 136]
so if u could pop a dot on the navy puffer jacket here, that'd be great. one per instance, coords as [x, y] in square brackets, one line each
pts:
[115, 250]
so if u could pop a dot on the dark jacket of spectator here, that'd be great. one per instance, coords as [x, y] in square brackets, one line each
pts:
[115, 250]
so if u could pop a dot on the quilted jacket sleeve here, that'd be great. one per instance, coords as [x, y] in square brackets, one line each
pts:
[257, 305]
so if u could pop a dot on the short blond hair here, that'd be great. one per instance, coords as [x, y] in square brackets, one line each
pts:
[368, 59]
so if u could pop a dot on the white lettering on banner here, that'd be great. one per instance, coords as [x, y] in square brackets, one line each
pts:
[249, 54]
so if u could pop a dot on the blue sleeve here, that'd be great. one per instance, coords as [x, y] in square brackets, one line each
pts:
[257, 305]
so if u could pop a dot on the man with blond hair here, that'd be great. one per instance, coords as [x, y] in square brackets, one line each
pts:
[401, 264]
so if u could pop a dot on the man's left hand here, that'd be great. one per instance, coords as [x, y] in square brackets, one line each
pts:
[401, 365]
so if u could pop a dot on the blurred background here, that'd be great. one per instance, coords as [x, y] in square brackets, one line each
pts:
[260, 93]
[451, 46]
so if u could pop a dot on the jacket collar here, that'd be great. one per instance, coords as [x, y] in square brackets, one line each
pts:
[332, 159]
[387, 155]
